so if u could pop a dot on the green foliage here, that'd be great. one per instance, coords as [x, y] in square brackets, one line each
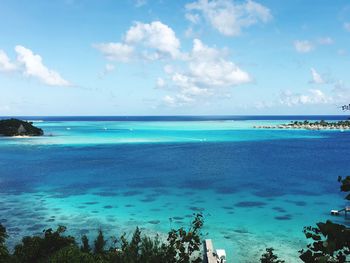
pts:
[14, 127]
[270, 257]
[100, 243]
[185, 245]
[131, 251]
[71, 254]
[39, 249]
[345, 185]
[85, 244]
[331, 243]
[4, 254]
[53, 247]
[152, 250]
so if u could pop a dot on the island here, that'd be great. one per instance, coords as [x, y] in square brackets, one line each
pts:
[317, 125]
[15, 127]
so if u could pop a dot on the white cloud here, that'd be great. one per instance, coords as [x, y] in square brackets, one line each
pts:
[34, 67]
[313, 96]
[208, 73]
[5, 63]
[303, 46]
[193, 18]
[107, 69]
[155, 35]
[341, 94]
[140, 3]
[326, 41]
[316, 77]
[178, 100]
[151, 41]
[116, 51]
[347, 26]
[228, 17]
[161, 83]
[208, 67]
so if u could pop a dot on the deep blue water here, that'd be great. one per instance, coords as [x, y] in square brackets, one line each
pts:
[254, 193]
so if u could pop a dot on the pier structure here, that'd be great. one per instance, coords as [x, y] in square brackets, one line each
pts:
[211, 255]
[346, 210]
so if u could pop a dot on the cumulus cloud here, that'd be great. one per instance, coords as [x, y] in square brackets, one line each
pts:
[155, 35]
[313, 96]
[208, 73]
[116, 51]
[151, 41]
[34, 67]
[303, 46]
[227, 16]
[316, 77]
[5, 63]
[347, 26]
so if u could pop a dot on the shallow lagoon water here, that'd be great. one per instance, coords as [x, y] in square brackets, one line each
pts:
[256, 188]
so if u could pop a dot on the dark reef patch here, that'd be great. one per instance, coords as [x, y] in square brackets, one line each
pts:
[106, 194]
[225, 190]
[36, 227]
[154, 222]
[279, 209]
[148, 199]
[84, 231]
[108, 207]
[131, 193]
[197, 209]
[14, 229]
[90, 203]
[297, 203]
[227, 207]
[241, 231]
[198, 184]
[284, 217]
[250, 204]
[268, 193]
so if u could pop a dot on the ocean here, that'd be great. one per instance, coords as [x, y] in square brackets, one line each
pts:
[256, 188]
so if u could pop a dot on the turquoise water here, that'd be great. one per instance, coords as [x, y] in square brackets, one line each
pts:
[256, 188]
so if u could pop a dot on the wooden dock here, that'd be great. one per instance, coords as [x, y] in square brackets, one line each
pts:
[209, 255]
[346, 210]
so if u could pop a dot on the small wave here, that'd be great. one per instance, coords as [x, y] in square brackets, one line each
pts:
[35, 121]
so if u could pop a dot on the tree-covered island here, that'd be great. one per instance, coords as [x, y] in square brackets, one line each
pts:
[308, 125]
[15, 127]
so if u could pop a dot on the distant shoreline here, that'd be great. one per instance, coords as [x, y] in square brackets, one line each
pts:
[306, 125]
[182, 118]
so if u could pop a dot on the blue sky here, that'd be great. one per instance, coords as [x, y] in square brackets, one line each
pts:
[139, 57]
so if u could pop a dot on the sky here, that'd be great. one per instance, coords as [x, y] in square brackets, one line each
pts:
[166, 57]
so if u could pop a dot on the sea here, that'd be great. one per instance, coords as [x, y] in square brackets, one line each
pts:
[256, 188]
